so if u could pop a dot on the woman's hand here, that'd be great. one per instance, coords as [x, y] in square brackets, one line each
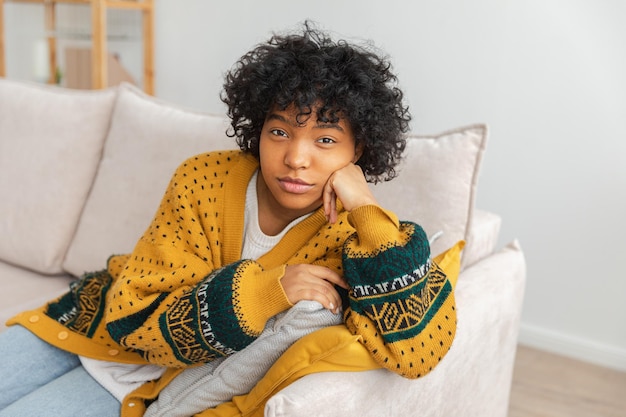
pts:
[348, 184]
[313, 282]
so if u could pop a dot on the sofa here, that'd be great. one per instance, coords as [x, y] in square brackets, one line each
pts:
[82, 172]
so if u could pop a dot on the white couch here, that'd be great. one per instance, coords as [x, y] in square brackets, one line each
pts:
[81, 173]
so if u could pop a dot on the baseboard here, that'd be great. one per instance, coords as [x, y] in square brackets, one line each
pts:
[566, 345]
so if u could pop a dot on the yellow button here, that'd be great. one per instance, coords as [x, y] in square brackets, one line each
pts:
[34, 318]
[63, 335]
[131, 404]
[114, 352]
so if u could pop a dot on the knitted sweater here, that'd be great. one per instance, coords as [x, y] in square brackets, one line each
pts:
[185, 297]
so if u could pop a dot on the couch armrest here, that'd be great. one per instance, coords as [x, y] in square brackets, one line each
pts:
[473, 380]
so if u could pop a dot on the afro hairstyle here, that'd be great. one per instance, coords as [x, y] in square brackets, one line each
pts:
[333, 78]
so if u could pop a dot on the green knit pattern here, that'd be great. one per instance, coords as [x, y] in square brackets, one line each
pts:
[400, 303]
[82, 308]
[189, 326]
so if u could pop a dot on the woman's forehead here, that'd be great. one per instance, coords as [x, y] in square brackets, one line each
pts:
[317, 112]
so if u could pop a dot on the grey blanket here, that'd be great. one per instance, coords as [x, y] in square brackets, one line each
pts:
[209, 385]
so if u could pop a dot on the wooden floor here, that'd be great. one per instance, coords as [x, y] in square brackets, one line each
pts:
[548, 385]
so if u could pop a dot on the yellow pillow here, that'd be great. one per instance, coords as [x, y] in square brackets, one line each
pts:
[450, 261]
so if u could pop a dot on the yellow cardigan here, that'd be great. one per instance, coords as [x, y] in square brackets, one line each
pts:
[184, 297]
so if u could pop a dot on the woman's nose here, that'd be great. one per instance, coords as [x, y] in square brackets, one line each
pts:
[297, 155]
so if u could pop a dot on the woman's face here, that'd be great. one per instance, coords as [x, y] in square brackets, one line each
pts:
[297, 159]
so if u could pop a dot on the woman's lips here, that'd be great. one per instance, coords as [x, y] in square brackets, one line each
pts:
[294, 185]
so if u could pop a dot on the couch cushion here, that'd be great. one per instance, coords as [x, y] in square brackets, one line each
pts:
[436, 185]
[50, 144]
[147, 140]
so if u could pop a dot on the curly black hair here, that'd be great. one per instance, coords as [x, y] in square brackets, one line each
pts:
[311, 71]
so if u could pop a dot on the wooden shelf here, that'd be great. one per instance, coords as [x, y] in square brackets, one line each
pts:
[98, 36]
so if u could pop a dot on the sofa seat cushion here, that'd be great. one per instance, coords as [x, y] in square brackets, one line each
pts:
[147, 140]
[50, 146]
[22, 289]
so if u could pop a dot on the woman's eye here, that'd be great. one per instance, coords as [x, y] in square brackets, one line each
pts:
[326, 140]
[278, 132]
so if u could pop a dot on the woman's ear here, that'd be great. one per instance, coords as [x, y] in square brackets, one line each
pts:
[358, 151]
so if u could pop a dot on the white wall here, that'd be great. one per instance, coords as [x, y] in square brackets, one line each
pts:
[546, 75]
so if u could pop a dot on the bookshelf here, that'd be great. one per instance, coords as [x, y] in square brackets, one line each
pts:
[99, 53]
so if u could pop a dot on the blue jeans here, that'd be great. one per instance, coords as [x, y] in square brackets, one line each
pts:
[37, 379]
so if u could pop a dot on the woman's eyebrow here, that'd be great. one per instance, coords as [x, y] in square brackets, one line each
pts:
[276, 116]
[322, 125]
[318, 125]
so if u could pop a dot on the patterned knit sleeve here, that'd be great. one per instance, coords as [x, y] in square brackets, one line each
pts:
[217, 317]
[401, 302]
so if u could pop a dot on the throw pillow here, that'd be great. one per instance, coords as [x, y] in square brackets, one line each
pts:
[50, 145]
[147, 140]
[436, 184]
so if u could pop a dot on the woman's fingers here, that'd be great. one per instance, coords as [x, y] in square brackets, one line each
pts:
[349, 185]
[329, 198]
[314, 283]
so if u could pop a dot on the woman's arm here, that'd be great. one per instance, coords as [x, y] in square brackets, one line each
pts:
[401, 302]
[202, 322]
